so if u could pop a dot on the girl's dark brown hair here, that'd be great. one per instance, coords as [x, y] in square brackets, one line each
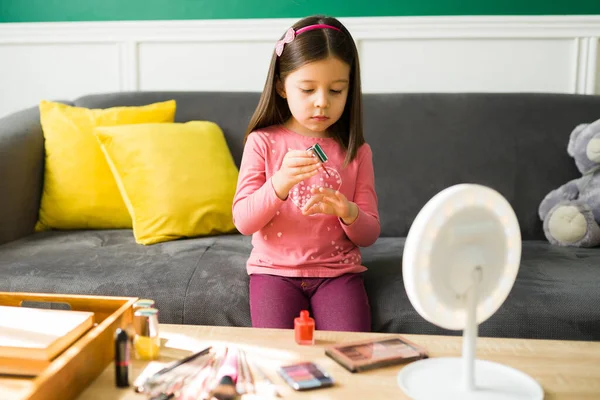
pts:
[310, 46]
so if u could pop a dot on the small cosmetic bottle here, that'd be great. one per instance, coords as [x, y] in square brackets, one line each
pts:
[146, 341]
[122, 358]
[304, 328]
[318, 151]
[143, 303]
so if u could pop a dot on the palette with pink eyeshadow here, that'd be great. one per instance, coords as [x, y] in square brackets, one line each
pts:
[305, 376]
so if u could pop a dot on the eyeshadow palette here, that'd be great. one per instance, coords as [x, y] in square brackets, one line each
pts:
[369, 354]
[304, 376]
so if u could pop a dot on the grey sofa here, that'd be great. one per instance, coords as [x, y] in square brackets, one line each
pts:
[422, 143]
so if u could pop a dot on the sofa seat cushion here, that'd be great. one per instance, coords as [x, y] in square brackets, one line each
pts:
[555, 295]
[103, 262]
[204, 282]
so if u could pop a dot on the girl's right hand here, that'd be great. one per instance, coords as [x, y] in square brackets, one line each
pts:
[296, 166]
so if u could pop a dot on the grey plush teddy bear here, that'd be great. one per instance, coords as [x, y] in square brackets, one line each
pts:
[571, 213]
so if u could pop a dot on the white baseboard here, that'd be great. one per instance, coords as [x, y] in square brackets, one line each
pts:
[398, 54]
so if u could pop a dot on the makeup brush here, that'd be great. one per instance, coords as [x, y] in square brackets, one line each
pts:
[240, 385]
[195, 383]
[245, 383]
[227, 377]
[265, 383]
[211, 380]
[157, 375]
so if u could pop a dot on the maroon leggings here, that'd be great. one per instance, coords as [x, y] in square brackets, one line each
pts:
[336, 304]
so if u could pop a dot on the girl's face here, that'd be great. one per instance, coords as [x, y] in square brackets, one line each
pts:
[316, 94]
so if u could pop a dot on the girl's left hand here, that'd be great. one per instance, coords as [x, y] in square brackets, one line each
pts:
[331, 202]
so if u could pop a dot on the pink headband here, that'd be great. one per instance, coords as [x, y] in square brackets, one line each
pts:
[290, 35]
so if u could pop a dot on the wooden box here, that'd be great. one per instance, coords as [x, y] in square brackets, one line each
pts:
[75, 368]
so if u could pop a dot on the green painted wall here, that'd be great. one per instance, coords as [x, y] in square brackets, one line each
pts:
[112, 10]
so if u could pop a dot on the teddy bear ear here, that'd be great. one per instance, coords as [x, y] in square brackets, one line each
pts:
[573, 138]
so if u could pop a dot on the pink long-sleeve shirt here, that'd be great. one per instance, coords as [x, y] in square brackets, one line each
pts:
[285, 242]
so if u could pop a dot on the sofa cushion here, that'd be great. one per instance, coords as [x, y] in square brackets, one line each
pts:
[102, 262]
[555, 295]
[218, 290]
[79, 191]
[177, 179]
[204, 282]
[424, 142]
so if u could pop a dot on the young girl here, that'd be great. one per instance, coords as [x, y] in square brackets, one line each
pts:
[308, 218]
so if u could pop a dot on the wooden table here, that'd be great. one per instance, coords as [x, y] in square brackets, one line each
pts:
[565, 369]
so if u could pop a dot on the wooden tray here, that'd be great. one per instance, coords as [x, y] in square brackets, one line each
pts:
[77, 367]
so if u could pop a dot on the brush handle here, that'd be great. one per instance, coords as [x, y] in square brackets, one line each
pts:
[246, 375]
[195, 387]
[230, 366]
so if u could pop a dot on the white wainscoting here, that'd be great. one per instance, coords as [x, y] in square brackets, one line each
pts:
[398, 54]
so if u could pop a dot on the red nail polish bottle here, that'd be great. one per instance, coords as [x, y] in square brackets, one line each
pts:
[304, 328]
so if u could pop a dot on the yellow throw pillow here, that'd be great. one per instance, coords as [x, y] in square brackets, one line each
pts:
[79, 189]
[178, 180]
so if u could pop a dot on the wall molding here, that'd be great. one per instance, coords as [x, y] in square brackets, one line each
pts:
[128, 37]
[128, 65]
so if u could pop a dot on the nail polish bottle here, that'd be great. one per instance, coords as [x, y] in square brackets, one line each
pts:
[304, 328]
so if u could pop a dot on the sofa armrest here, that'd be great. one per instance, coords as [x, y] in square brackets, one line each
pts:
[21, 173]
